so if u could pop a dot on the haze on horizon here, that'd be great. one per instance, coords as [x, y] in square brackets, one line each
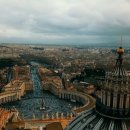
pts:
[64, 21]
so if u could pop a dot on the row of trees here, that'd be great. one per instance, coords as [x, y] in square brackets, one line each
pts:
[89, 74]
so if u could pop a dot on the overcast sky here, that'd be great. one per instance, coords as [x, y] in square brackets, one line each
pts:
[64, 21]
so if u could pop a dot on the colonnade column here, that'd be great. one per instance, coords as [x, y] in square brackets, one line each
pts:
[127, 101]
[104, 97]
[108, 98]
[121, 101]
[115, 100]
[101, 96]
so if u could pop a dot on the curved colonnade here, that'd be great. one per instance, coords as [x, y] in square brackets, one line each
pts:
[14, 91]
[86, 100]
[8, 97]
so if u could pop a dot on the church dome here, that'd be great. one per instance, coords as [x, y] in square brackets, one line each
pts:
[91, 120]
[112, 111]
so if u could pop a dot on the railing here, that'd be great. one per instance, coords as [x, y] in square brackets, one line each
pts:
[112, 112]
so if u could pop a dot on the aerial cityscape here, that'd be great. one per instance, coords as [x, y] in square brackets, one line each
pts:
[64, 65]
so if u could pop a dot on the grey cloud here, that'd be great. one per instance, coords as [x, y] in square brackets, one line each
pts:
[59, 20]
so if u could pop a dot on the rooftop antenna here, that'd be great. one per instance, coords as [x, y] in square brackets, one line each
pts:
[122, 41]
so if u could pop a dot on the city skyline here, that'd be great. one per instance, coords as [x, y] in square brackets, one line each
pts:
[64, 22]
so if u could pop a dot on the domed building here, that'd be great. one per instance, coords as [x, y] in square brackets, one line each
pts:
[112, 111]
